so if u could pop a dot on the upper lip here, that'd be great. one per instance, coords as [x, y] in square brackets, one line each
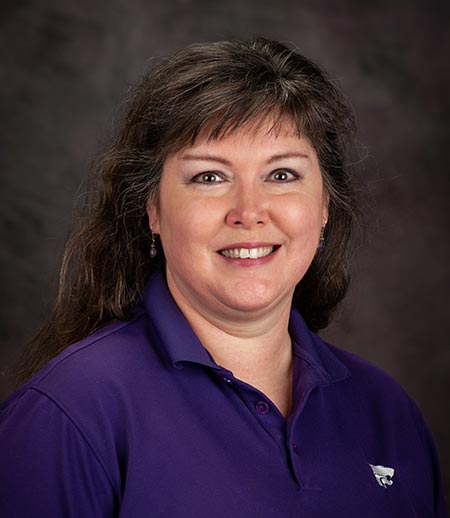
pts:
[247, 244]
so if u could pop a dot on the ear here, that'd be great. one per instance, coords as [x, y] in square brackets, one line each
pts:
[153, 217]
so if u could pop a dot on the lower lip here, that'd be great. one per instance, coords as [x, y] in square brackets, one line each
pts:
[245, 263]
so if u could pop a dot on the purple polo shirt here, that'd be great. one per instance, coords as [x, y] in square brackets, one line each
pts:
[137, 420]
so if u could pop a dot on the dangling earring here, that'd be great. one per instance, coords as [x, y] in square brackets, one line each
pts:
[153, 249]
[321, 244]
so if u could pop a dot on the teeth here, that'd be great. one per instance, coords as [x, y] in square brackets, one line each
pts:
[247, 253]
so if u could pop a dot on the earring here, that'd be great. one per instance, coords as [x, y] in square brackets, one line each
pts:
[321, 244]
[153, 249]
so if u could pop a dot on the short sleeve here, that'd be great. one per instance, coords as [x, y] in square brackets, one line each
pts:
[46, 466]
[439, 505]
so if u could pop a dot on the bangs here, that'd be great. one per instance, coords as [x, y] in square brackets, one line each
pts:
[215, 115]
[274, 118]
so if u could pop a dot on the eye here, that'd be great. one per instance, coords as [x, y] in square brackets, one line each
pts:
[283, 176]
[208, 177]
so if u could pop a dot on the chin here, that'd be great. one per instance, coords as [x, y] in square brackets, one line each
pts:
[249, 300]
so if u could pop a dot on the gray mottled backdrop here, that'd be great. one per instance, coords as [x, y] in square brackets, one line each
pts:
[66, 65]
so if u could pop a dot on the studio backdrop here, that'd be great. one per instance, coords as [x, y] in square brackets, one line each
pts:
[66, 67]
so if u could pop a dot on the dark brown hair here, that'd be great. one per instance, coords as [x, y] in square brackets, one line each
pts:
[217, 87]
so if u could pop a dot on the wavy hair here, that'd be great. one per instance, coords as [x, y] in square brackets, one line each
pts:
[218, 88]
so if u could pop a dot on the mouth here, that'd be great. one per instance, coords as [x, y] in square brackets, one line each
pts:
[248, 253]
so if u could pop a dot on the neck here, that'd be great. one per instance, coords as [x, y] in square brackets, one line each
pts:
[257, 349]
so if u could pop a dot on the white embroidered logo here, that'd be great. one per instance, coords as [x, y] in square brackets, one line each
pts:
[383, 475]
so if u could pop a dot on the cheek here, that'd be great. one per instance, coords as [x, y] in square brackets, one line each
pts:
[302, 217]
[188, 223]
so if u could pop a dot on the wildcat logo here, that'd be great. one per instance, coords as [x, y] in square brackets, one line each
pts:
[383, 475]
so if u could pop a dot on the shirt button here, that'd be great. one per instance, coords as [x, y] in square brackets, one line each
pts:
[226, 379]
[262, 407]
[295, 447]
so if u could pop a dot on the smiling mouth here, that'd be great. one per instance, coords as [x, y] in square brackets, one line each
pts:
[248, 253]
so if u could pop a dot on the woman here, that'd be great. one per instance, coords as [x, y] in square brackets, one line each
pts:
[179, 373]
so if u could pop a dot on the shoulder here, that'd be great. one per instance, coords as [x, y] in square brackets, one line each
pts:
[92, 375]
[110, 352]
[368, 377]
[87, 391]
[375, 400]
[383, 420]
[379, 403]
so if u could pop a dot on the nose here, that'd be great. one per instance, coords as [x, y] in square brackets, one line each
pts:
[248, 209]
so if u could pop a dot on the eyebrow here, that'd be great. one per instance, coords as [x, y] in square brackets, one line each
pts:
[214, 158]
[281, 156]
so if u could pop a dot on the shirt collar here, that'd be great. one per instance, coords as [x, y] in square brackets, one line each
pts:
[181, 344]
[171, 328]
[315, 352]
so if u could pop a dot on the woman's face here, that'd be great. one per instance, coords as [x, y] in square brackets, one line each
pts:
[239, 219]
